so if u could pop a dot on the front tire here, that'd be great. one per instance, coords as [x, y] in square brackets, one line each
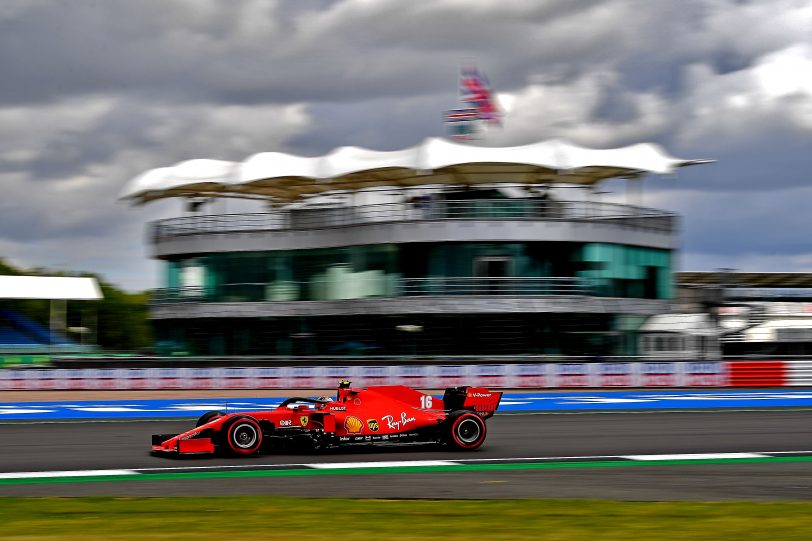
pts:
[206, 418]
[465, 431]
[243, 436]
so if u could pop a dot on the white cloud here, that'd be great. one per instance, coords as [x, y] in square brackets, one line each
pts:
[571, 111]
[777, 90]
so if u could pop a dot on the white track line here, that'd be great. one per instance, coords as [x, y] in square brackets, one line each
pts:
[400, 464]
[696, 456]
[393, 464]
[540, 458]
[72, 473]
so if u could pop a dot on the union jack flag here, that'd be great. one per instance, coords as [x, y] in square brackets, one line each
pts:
[462, 115]
[476, 93]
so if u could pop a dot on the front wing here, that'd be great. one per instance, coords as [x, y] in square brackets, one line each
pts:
[170, 443]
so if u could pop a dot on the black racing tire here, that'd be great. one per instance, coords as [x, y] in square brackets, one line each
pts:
[464, 431]
[208, 417]
[242, 436]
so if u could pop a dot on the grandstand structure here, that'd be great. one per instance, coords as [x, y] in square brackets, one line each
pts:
[730, 313]
[438, 249]
[22, 335]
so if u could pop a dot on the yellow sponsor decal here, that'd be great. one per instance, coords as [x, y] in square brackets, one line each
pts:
[373, 424]
[353, 425]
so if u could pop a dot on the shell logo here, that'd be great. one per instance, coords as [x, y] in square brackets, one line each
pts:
[353, 425]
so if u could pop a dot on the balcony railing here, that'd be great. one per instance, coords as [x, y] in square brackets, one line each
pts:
[426, 210]
[324, 290]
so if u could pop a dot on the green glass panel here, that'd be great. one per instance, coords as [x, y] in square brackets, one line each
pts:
[172, 276]
[376, 270]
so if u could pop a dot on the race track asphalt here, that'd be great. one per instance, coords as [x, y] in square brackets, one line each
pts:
[27, 447]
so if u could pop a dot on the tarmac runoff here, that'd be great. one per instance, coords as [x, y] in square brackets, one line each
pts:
[399, 467]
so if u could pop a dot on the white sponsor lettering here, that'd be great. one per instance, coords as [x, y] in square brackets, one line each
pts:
[400, 423]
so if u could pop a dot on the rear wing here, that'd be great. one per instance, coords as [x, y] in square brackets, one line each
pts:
[477, 399]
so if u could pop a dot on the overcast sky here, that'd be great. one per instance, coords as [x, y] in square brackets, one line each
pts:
[95, 92]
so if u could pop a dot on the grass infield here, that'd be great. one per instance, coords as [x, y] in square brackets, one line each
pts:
[269, 518]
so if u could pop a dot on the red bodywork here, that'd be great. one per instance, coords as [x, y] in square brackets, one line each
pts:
[380, 414]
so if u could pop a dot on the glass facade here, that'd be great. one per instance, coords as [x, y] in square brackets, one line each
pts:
[391, 270]
[618, 270]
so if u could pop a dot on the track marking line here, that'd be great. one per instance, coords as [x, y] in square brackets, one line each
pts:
[696, 456]
[395, 464]
[70, 473]
[527, 459]
[400, 464]
[398, 467]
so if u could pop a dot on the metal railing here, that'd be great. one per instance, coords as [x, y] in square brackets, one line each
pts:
[324, 290]
[428, 210]
[494, 286]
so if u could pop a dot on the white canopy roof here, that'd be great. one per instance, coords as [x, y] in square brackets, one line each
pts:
[286, 177]
[693, 324]
[49, 287]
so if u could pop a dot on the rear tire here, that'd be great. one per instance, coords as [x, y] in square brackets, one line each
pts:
[243, 436]
[465, 431]
[206, 418]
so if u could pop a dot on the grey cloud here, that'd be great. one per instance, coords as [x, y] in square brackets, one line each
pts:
[255, 51]
[754, 222]
[98, 92]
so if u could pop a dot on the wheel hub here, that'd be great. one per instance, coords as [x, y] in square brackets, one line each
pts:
[468, 431]
[245, 436]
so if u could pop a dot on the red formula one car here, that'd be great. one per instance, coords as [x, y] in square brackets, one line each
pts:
[376, 415]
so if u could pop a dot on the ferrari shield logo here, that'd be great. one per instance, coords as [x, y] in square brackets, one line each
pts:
[303, 420]
[373, 424]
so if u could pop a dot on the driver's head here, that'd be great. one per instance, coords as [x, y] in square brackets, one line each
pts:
[344, 384]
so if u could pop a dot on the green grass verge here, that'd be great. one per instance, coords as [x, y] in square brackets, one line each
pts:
[261, 518]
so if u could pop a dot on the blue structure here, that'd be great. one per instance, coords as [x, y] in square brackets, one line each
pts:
[20, 332]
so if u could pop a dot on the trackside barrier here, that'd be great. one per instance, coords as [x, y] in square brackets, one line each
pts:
[757, 373]
[799, 374]
[538, 375]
